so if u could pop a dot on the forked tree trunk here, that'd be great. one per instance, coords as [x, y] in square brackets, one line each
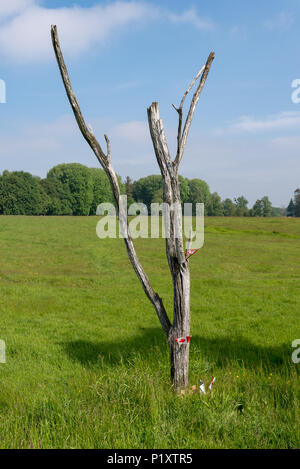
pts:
[178, 263]
[177, 259]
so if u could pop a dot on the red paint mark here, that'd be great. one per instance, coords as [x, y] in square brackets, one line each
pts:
[183, 340]
[191, 252]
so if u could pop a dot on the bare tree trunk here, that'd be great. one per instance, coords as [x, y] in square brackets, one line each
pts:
[178, 261]
[179, 354]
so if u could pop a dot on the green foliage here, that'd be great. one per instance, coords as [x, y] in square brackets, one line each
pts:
[290, 211]
[74, 189]
[19, 194]
[145, 189]
[157, 196]
[293, 209]
[297, 203]
[278, 212]
[101, 189]
[45, 200]
[266, 207]
[87, 360]
[128, 190]
[228, 208]
[56, 196]
[257, 209]
[215, 206]
[262, 208]
[241, 206]
[78, 180]
[199, 191]
[184, 189]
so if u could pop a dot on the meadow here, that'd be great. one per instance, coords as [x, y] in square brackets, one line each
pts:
[87, 362]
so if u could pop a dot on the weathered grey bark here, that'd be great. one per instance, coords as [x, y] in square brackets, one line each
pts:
[178, 263]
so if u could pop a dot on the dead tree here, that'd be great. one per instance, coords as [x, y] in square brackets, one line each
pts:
[176, 254]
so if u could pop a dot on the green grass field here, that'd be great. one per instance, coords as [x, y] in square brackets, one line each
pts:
[87, 362]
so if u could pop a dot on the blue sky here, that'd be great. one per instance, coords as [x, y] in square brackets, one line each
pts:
[245, 137]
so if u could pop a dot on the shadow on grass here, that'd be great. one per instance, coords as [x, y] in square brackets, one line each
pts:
[222, 351]
[111, 352]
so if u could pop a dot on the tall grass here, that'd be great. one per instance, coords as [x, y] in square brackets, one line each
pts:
[87, 362]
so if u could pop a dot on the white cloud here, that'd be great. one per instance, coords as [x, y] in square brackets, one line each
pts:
[291, 142]
[280, 121]
[191, 17]
[134, 131]
[12, 7]
[283, 21]
[25, 36]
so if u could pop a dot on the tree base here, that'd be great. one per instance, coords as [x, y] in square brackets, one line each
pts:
[179, 359]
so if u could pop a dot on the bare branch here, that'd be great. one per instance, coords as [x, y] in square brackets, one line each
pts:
[105, 163]
[87, 134]
[159, 138]
[193, 105]
[171, 190]
[179, 110]
[191, 86]
[108, 146]
[91, 129]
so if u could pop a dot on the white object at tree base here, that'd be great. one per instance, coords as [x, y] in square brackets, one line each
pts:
[211, 383]
[202, 387]
[183, 340]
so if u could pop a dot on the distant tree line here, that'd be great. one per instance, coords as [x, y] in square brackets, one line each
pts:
[68, 189]
[293, 209]
[74, 189]
[149, 190]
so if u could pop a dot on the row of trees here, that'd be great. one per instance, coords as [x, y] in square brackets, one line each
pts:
[293, 209]
[68, 189]
[74, 189]
[149, 190]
